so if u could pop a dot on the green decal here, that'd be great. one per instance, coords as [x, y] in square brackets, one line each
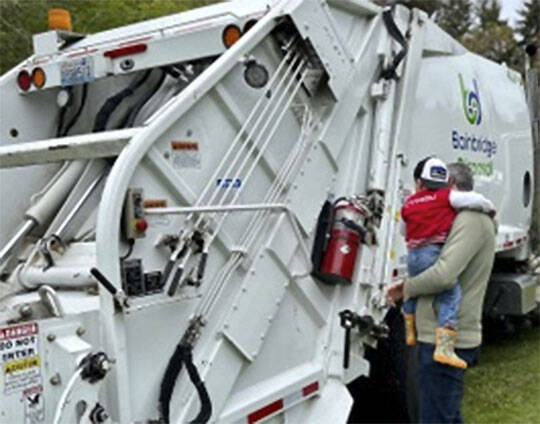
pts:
[470, 100]
[481, 169]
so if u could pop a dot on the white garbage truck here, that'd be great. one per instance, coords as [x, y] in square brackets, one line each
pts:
[200, 212]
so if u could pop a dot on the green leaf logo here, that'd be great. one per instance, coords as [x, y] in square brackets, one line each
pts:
[470, 100]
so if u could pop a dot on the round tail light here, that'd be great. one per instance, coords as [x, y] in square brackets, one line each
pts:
[24, 80]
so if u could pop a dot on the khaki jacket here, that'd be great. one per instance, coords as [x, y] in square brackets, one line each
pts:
[467, 257]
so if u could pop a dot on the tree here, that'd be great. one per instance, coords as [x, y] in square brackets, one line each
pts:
[20, 19]
[528, 27]
[489, 12]
[455, 17]
[497, 43]
[492, 37]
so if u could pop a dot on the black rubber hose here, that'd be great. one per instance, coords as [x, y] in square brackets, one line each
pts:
[395, 33]
[61, 116]
[110, 105]
[183, 355]
[75, 117]
[169, 380]
[205, 412]
[145, 100]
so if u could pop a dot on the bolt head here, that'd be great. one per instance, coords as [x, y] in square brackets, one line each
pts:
[25, 311]
[80, 331]
[51, 337]
[55, 380]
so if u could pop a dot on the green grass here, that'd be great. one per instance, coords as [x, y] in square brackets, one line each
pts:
[504, 388]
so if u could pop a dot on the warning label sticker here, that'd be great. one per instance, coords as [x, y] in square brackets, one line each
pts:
[186, 154]
[34, 405]
[19, 357]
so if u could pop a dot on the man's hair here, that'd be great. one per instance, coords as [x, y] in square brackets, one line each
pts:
[461, 175]
[420, 167]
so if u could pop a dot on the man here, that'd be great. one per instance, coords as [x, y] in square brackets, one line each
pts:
[467, 256]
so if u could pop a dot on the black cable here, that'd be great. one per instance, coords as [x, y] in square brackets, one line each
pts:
[129, 251]
[395, 33]
[75, 118]
[110, 105]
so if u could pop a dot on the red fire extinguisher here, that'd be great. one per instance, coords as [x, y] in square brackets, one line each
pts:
[345, 236]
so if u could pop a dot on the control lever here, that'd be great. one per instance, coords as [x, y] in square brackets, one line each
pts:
[119, 296]
[347, 318]
[204, 257]
[178, 254]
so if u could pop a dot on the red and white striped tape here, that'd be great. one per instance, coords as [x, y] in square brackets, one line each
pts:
[279, 405]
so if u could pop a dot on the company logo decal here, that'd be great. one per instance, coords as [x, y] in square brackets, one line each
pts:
[471, 102]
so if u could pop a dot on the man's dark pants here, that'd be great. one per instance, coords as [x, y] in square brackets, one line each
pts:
[441, 386]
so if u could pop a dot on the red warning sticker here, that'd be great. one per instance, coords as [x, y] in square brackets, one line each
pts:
[19, 357]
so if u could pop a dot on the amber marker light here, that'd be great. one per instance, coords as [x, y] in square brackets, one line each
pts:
[231, 34]
[59, 19]
[38, 77]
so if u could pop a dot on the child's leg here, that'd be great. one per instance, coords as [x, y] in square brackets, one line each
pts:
[418, 260]
[409, 309]
[448, 304]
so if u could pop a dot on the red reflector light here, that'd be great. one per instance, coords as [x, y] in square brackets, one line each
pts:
[24, 80]
[395, 272]
[310, 388]
[125, 51]
[265, 411]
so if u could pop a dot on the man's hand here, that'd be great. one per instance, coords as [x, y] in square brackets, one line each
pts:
[394, 292]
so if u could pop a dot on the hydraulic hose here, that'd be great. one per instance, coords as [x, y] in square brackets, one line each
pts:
[183, 355]
[395, 33]
[147, 97]
[110, 105]
[75, 117]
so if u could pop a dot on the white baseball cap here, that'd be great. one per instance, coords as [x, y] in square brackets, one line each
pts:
[434, 174]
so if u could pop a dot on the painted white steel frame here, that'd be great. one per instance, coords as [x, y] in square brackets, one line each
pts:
[111, 205]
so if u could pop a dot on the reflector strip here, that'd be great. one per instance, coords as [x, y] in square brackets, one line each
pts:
[311, 388]
[508, 244]
[125, 51]
[281, 404]
[265, 411]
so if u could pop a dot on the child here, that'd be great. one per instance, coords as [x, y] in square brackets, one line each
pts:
[428, 215]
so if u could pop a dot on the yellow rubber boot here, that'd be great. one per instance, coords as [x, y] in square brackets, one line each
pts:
[444, 349]
[410, 329]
